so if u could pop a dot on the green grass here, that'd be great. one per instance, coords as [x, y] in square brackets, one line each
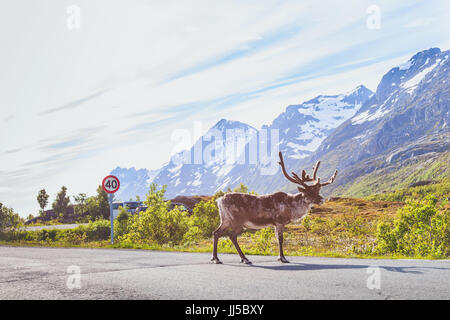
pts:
[441, 190]
[390, 179]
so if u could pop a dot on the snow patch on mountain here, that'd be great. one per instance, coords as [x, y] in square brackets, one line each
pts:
[367, 116]
[406, 65]
[412, 83]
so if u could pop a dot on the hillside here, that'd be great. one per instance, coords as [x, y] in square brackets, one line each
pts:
[398, 137]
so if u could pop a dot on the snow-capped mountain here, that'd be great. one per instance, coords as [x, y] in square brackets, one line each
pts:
[411, 100]
[411, 104]
[133, 182]
[303, 127]
[205, 168]
[231, 151]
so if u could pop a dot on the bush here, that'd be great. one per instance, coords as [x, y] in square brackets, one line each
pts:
[47, 235]
[205, 219]
[96, 231]
[263, 239]
[8, 218]
[121, 223]
[193, 235]
[421, 229]
[74, 236]
[17, 236]
[157, 223]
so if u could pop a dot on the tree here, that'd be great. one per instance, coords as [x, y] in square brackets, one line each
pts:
[98, 206]
[8, 218]
[42, 199]
[61, 202]
[242, 188]
[121, 223]
[81, 204]
[103, 202]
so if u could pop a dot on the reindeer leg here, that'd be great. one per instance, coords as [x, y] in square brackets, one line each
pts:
[216, 234]
[233, 238]
[279, 230]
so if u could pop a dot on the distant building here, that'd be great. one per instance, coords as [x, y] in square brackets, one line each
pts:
[130, 205]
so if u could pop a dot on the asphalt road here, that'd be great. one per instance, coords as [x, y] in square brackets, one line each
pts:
[55, 226]
[46, 273]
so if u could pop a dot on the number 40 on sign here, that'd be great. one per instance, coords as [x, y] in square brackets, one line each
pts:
[111, 184]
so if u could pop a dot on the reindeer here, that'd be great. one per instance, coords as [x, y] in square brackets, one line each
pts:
[239, 210]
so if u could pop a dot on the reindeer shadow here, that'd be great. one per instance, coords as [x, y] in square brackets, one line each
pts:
[294, 266]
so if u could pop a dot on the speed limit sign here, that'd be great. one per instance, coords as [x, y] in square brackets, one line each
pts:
[111, 184]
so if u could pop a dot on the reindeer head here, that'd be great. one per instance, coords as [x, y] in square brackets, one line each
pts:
[310, 192]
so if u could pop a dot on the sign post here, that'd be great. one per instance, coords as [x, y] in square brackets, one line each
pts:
[111, 184]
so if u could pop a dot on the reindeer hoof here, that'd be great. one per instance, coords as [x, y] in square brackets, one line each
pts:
[216, 260]
[283, 260]
[246, 261]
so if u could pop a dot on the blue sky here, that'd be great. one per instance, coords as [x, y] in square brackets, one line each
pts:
[76, 103]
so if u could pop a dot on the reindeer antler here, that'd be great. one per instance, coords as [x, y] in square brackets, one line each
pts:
[305, 178]
[331, 179]
[294, 178]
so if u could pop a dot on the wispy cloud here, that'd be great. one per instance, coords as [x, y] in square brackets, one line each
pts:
[421, 22]
[74, 104]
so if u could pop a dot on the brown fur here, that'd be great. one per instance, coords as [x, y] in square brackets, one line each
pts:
[239, 210]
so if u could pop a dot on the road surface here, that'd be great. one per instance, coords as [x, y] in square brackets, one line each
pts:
[51, 273]
[53, 226]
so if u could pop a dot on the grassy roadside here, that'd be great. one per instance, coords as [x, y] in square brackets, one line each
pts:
[343, 228]
[386, 225]
[203, 248]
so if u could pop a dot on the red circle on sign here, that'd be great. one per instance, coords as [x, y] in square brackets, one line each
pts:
[111, 184]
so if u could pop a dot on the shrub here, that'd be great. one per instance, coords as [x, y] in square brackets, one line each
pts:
[263, 240]
[421, 229]
[306, 224]
[74, 236]
[17, 236]
[96, 231]
[47, 235]
[121, 223]
[8, 218]
[242, 188]
[193, 235]
[205, 219]
[157, 223]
